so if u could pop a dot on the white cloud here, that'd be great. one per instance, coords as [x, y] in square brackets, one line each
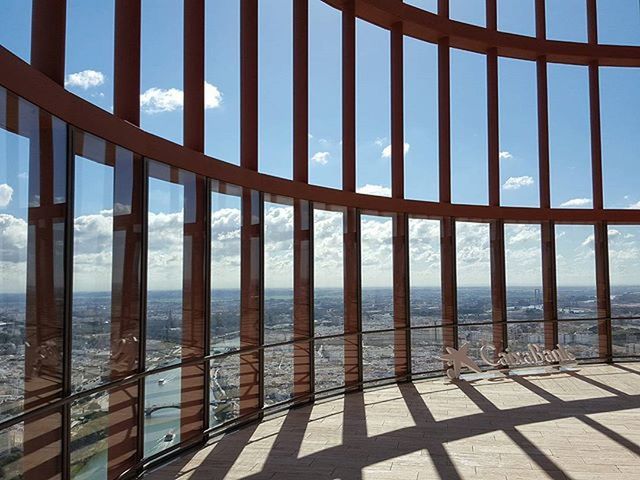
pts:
[380, 141]
[157, 100]
[85, 79]
[576, 202]
[514, 183]
[369, 189]
[321, 158]
[505, 155]
[212, 96]
[386, 152]
[635, 205]
[6, 193]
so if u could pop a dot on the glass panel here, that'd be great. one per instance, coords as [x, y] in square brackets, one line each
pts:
[429, 5]
[426, 349]
[222, 80]
[476, 336]
[164, 269]
[225, 389]
[421, 119]
[275, 83]
[161, 411]
[328, 272]
[278, 374]
[619, 104]
[30, 443]
[325, 95]
[11, 452]
[329, 363]
[278, 273]
[378, 360]
[523, 265]
[32, 246]
[376, 272]
[89, 51]
[424, 272]
[521, 334]
[624, 270]
[569, 136]
[373, 110]
[575, 271]
[517, 16]
[14, 231]
[161, 98]
[580, 338]
[469, 166]
[566, 20]
[473, 272]
[619, 22]
[626, 338]
[518, 118]
[92, 267]
[468, 11]
[226, 220]
[89, 431]
[15, 28]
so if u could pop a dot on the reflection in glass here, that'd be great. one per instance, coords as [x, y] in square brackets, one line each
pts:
[161, 411]
[521, 334]
[89, 431]
[14, 207]
[225, 389]
[476, 336]
[278, 374]
[329, 363]
[11, 452]
[580, 338]
[164, 272]
[92, 268]
[473, 267]
[626, 338]
[328, 271]
[378, 360]
[278, 273]
[523, 268]
[225, 269]
[376, 272]
[426, 349]
[424, 271]
[624, 270]
[575, 272]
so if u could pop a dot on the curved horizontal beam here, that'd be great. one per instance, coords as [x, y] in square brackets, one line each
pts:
[431, 27]
[28, 83]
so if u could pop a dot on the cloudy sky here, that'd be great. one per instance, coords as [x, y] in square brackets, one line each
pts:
[89, 73]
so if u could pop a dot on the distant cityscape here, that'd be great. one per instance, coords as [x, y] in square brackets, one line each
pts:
[92, 338]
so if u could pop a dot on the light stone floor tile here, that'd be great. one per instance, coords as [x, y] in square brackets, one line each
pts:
[580, 426]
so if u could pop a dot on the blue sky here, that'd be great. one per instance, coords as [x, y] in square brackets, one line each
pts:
[89, 74]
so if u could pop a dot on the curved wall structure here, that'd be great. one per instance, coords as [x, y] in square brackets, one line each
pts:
[123, 346]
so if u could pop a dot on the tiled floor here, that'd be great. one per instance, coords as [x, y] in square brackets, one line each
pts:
[577, 425]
